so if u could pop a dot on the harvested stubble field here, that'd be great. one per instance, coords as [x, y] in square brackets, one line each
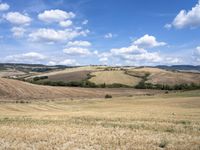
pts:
[18, 90]
[70, 76]
[161, 76]
[111, 77]
[169, 121]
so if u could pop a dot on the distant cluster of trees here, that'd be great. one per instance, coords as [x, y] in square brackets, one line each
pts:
[143, 85]
[183, 86]
[84, 83]
[40, 78]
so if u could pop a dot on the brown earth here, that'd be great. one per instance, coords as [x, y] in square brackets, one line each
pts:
[71, 76]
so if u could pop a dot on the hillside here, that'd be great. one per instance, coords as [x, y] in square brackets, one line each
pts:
[14, 89]
[111, 77]
[166, 77]
[100, 75]
[181, 67]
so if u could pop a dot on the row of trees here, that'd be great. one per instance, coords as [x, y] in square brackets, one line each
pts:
[84, 83]
[183, 86]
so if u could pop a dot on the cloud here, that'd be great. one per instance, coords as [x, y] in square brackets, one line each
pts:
[18, 31]
[65, 23]
[31, 57]
[103, 59]
[55, 15]
[172, 60]
[148, 41]
[4, 6]
[187, 19]
[108, 36]
[133, 49]
[168, 26]
[76, 51]
[85, 22]
[135, 53]
[67, 62]
[196, 54]
[51, 35]
[79, 43]
[17, 18]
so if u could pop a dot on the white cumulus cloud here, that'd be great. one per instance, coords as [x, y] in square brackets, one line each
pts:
[17, 18]
[4, 6]
[31, 57]
[79, 43]
[55, 15]
[66, 23]
[67, 62]
[51, 35]
[133, 49]
[196, 54]
[76, 51]
[134, 53]
[148, 41]
[18, 31]
[189, 18]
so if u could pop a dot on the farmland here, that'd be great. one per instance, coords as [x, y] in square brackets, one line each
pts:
[166, 77]
[51, 117]
[111, 77]
[140, 122]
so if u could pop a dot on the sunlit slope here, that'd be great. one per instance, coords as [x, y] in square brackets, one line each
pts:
[111, 77]
[14, 89]
[161, 76]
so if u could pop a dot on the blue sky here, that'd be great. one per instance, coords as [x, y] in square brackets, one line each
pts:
[83, 32]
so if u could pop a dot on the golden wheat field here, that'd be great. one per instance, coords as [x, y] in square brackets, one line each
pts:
[166, 121]
[111, 77]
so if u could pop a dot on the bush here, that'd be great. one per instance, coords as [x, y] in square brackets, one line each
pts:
[192, 86]
[40, 78]
[108, 96]
[117, 85]
[163, 144]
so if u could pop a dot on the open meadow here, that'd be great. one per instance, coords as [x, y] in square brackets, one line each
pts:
[163, 121]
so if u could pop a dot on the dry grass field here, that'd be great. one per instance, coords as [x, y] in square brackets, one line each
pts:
[142, 122]
[111, 77]
[11, 72]
[71, 76]
[161, 76]
[68, 70]
[18, 90]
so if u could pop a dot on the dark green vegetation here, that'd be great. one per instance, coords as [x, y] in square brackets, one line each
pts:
[184, 86]
[108, 96]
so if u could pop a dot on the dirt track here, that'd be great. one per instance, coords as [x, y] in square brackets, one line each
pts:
[14, 90]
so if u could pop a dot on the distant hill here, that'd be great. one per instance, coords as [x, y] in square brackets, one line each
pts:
[180, 67]
[31, 67]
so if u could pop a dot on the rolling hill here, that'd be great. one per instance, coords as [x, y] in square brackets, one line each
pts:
[17, 90]
[112, 77]
[166, 77]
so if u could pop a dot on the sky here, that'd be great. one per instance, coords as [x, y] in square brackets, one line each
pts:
[100, 32]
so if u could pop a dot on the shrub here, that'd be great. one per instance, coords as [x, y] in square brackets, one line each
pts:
[116, 85]
[40, 78]
[22, 102]
[163, 144]
[108, 96]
